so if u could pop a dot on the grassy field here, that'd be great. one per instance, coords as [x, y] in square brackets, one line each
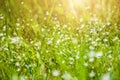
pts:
[59, 40]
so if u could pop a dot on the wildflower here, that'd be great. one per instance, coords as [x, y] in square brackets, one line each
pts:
[49, 40]
[81, 19]
[22, 77]
[56, 73]
[14, 77]
[58, 41]
[22, 2]
[91, 54]
[47, 13]
[105, 40]
[98, 54]
[86, 64]
[91, 48]
[66, 76]
[15, 39]
[17, 24]
[91, 59]
[108, 23]
[91, 74]
[1, 16]
[74, 41]
[1, 34]
[18, 69]
[106, 76]
[17, 64]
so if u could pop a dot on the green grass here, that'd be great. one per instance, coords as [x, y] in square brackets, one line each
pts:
[42, 40]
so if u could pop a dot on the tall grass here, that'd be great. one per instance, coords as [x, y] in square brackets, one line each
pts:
[59, 40]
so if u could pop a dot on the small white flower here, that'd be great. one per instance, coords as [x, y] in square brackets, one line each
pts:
[91, 48]
[81, 19]
[66, 76]
[91, 59]
[22, 2]
[58, 41]
[105, 40]
[1, 34]
[45, 18]
[115, 38]
[50, 40]
[1, 16]
[82, 26]
[47, 13]
[17, 64]
[56, 73]
[19, 57]
[15, 39]
[91, 54]
[98, 54]
[86, 64]
[108, 23]
[22, 78]
[14, 77]
[109, 69]
[110, 56]
[64, 26]
[106, 76]
[91, 74]
[17, 24]
[75, 41]
[72, 59]
[18, 69]
[77, 56]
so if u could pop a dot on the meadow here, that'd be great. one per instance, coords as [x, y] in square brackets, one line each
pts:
[59, 40]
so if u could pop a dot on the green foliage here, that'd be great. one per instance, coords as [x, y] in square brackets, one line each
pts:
[59, 40]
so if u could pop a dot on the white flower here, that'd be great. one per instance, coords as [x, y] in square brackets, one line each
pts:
[91, 74]
[99, 54]
[105, 40]
[106, 76]
[15, 39]
[91, 54]
[86, 64]
[66, 76]
[75, 41]
[64, 26]
[14, 77]
[1, 34]
[108, 23]
[58, 41]
[17, 24]
[56, 73]
[82, 26]
[110, 56]
[22, 2]
[22, 78]
[50, 40]
[18, 69]
[1, 16]
[17, 64]
[91, 59]
[71, 59]
[81, 19]
[47, 13]
[91, 48]
[115, 38]
[19, 57]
